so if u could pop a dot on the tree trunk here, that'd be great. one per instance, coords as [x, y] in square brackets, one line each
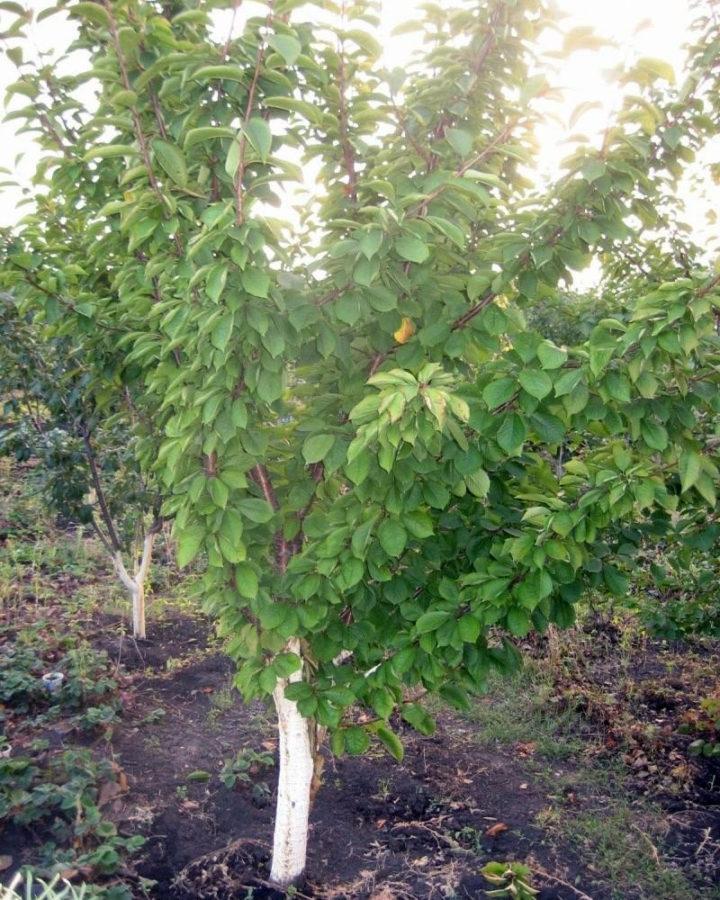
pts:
[294, 783]
[136, 584]
[138, 609]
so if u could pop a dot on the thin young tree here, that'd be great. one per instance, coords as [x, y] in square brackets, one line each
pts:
[360, 431]
[58, 414]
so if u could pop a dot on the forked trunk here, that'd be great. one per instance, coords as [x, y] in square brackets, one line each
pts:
[136, 584]
[294, 785]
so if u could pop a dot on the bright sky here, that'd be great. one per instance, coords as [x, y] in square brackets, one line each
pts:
[655, 28]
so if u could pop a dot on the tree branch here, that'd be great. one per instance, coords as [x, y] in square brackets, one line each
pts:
[100, 494]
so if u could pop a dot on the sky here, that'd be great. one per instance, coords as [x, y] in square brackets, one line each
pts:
[656, 28]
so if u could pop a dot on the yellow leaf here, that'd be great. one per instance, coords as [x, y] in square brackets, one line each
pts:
[405, 331]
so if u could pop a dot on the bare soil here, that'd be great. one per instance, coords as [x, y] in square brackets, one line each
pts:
[379, 830]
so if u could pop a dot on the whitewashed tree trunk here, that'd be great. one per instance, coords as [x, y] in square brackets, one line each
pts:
[136, 584]
[292, 813]
[138, 611]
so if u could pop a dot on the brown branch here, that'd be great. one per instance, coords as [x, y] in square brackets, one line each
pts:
[137, 124]
[103, 540]
[709, 286]
[100, 494]
[68, 303]
[317, 471]
[421, 209]
[158, 113]
[468, 316]
[282, 551]
[242, 141]
[262, 477]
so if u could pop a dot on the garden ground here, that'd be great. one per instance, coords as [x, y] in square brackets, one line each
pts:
[579, 766]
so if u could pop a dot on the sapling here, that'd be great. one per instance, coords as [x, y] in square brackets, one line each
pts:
[73, 425]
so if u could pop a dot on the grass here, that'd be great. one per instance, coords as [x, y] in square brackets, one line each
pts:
[521, 710]
[623, 841]
[615, 834]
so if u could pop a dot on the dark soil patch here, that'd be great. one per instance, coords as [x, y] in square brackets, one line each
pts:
[171, 638]
[425, 826]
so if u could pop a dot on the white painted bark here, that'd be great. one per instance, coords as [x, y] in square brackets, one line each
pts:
[136, 584]
[292, 813]
[138, 611]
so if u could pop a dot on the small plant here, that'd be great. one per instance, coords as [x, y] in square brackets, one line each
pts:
[706, 723]
[154, 716]
[512, 880]
[384, 787]
[63, 797]
[99, 717]
[246, 763]
[470, 837]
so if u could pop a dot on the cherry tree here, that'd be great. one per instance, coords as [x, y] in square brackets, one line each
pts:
[317, 269]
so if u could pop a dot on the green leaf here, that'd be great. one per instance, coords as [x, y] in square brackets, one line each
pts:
[616, 582]
[657, 68]
[91, 12]
[391, 741]
[171, 160]
[431, 621]
[206, 133]
[316, 447]
[225, 72]
[356, 740]
[499, 392]
[536, 382]
[189, 541]
[550, 356]
[361, 537]
[469, 628]
[412, 249]
[291, 104]
[478, 483]
[418, 523]
[654, 435]
[255, 282]
[449, 229]
[416, 716]
[222, 331]
[593, 169]
[219, 492]
[518, 621]
[256, 510]
[690, 469]
[455, 696]
[246, 581]
[287, 46]
[511, 434]
[460, 140]
[215, 282]
[199, 775]
[370, 242]
[257, 131]
[705, 486]
[108, 151]
[392, 537]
